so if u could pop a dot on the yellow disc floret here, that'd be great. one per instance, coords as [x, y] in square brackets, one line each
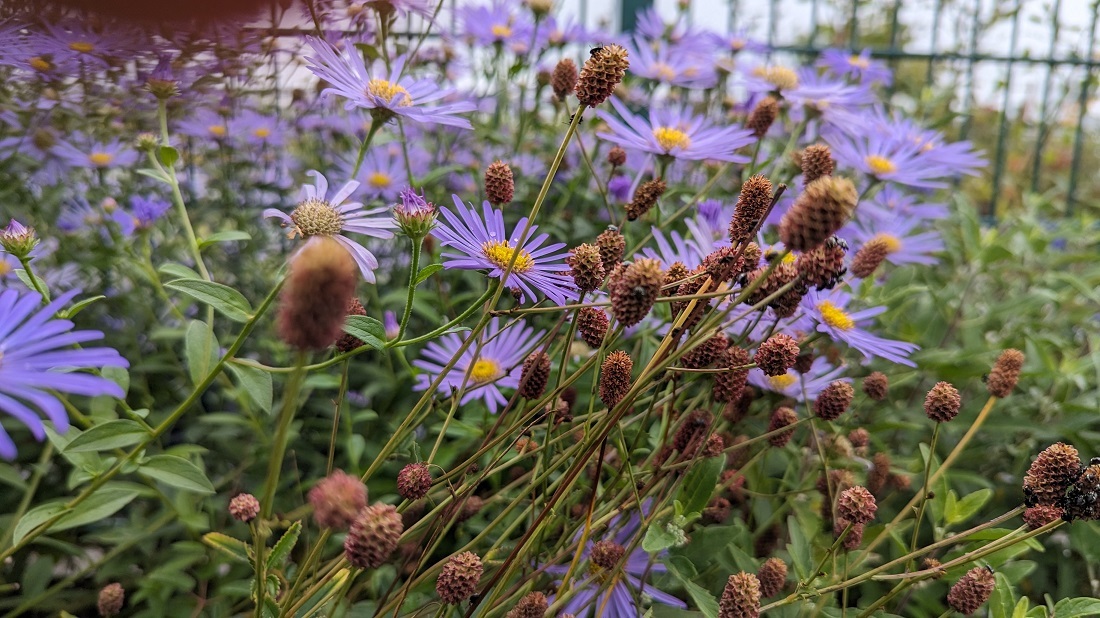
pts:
[669, 138]
[485, 370]
[83, 47]
[880, 165]
[891, 242]
[101, 159]
[388, 91]
[379, 180]
[315, 217]
[781, 382]
[835, 316]
[500, 254]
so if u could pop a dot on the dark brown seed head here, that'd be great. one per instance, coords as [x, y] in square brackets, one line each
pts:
[859, 437]
[782, 417]
[824, 206]
[942, 402]
[857, 505]
[602, 72]
[244, 507]
[337, 499]
[972, 590]
[564, 78]
[459, 577]
[1005, 373]
[876, 386]
[879, 474]
[347, 343]
[772, 576]
[717, 510]
[690, 287]
[373, 536]
[673, 275]
[1041, 515]
[823, 267]
[535, 374]
[111, 598]
[1082, 501]
[752, 203]
[870, 256]
[854, 538]
[776, 355]
[741, 597]
[534, 605]
[616, 156]
[587, 267]
[762, 116]
[729, 384]
[633, 290]
[607, 554]
[707, 353]
[592, 324]
[786, 304]
[500, 186]
[612, 246]
[692, 432]
[1052, 472]
[314, 300]
[723, 263]
[645, 197]
[615, 377]
[817, 161]
[833, 400]
[751, 257]
[414, 481]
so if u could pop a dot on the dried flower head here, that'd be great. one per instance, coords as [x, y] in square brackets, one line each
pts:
[602, 72]
[645, 198]
[741, 597]
[833, 400]
[776, 355]
[500, 186]
[690, 287]
[931, 563]
[373, 536]
[880, 472]
[350, 342]
[535, 374]
[606, 554]
[717, 510]
[337, 499]
[244, 507]
[534, 605]
[612, 246]
[871, 255]
[592, 323]
[730, 383]
[942, 402]
[972, 590]
[707, 353]
[587, 266]
[414, 481]
[816, 161]
[111, 598]
[634, 289]
[854, 538]
[857, 505]
[823, 267]
[824, 206]
[773, 576]
[762, 116]
[616, 156]
[316, 295]
[1052, 472]
[752, 204]
[782, 417]
[1082, 501]
[564, 78]
[692, 432]
[1041, 515]
[615, 378]
[876, 386]
[723, 264]
[787, 303]
[859, 437]
[459, 577]
[1005, 373]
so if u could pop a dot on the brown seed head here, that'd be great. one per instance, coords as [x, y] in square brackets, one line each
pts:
[762, 116]
[728, 385]
[752, 203]
[751, 257]
[786, 304]
[111, 598]
[833, 400]
[972, 590]
[1052, 472]
[673, 275]
[804, 363]
[707, 353]
[857, 505]
[606, 554]
[500, 186]
[459, 577]
[1041, 515]
[634, 290]
[879, 474]
[932, 563]
[723, 264]
[776, 355]
[942, 402]
[587, 267]
[1005, 373]
[823, 267]
[337, 499]
[602, 72]
[616, 156]
[615, 378]
[876, 386]
[817, 161]
[414, 481]
[854, 538]
[782, 417]
[870, 256]
[347, 343]
[612, 246]
[564, 78]
[534, 605]
[692, 432]
[741, 597]
[859, 437]
[373, 536]
[717, 510]
[645, 197]
[1083, 498]
[592, 324]
[824, 206]
[463, 509]
[314, 300]
[690, 287]
[535, 374]
[244, 507]
[772, 576]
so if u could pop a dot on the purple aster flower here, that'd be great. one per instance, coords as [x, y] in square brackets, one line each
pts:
[834, 100]
[739, 41]
[673, 248]
[78, 215]
[258, 129]
[386, 96]
[905, 243]
[382, 173]
[482, 243]
[672, 64]
[317, 215]
[493, 363]
[796, 385]
[619, 188]
[960, 157]
[206, 124]
[501, 23]
[650, 25]
[675, 132]
[844, 63]
[8, 265]
[73, 43]
[891, 203]
[885, 158]
[35, 356]
[101, 155]
[146, 211]
[613, 596]
[829, 310]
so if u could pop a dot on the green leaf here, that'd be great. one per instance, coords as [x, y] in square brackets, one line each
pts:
[256, 382]
[79, 306]
[426, 272]
[657, 537]
[179, 271]
[699, 484]
[282, 548]
[1002, 600]
[102, 504]
[1081, 606]
[118, 375]
[368, 330]
[109, 435]
[29, 280]
[177, 472]
[969, 506]
[1020, 611]
[168, 155]
[225, 299]
[155, 175]
[683, 571]
[234, 548]
[200, 349]
[226, 236]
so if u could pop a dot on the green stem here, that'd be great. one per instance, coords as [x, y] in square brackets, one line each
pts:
[28, 494]
[414, 270]
[336, 415]
[374, 126]
[286, 416]
[34, 280]
[924, 488]
[177, 195]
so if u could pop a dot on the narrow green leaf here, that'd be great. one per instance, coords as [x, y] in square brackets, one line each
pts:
[154, 174]
[234, 548]
[79, 306]
[100, 505]
[368, 330]
[225, 236]
[256, 382]
[683, 571]
[178, 271]
[1081, 606]
[200, 349]
[970, 505]
[29, 280]
[282, 548]
[227, 301]
[1020, 611]
[426, 272]
[177, 472]
[699, 484]
[104, 436]
[1001, 602]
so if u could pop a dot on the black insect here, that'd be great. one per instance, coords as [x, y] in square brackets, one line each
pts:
[1095, 461]
[989, 568]
[595, 50]
[571, 116]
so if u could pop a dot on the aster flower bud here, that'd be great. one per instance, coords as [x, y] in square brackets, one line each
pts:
[752, 204]
[833, 400]
[17, 239]
[1040, 515]
[592, 324]
[857, 505]
[612, 246]
[972, 590]
[782, 417]
[645, 198]
[244, 507]
[741, 597]
[337, 499]
[729, 384]
[587, 266]
[373, 536]
[603, 71]
[534, 605]
[634, 290]
[459, 577]
[817, 161]
[161, 83]
[776, 355]
[111, 598]
[1083, 498]
[500, 187]
[876, 386]
[314, 300]
[606, 554]
[535, 374]
[773, 576]
[707, 353]
[615, 378]
[823, 267]
[415, 215]
[870, 256]
[824, 206]
[1052, 472]
[146, 141]
[762, 116]
[1005, 373]
[942, 402]
[414, 481]
[349, 342]
[564, 78]
[616, 156]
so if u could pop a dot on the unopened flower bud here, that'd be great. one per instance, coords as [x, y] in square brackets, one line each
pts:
[18, 240]
[244, 507]
[415, 215]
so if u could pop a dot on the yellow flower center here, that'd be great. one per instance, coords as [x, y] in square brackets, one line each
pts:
[262, 133]
[670, 138]
[789, 258]
[738, 44]
[859, 62]
[101, 159]
[82, 46]
[502, 31]
[485, 370]
[386, 90]
[664, 71]
[5, 268]
[780, 77]
[891, 242]
[500, 254]
[315, 217]
[835, 316]
[379, 180]
[880, 165]
[216, 130]
[781, 382]
[39, 64]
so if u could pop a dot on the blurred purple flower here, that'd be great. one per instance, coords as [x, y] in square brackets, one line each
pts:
[845, 63]
[675, 132]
